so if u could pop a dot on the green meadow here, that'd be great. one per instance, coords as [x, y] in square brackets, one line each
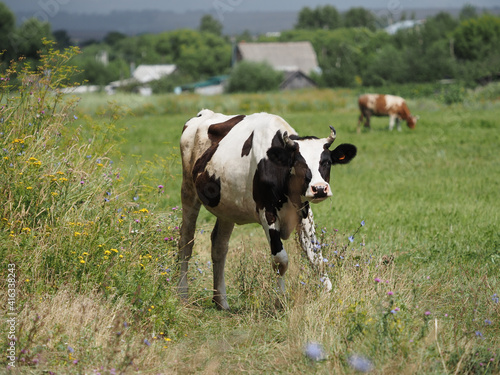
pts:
[90, 217]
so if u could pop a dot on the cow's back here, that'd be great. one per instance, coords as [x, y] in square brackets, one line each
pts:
[220, 155]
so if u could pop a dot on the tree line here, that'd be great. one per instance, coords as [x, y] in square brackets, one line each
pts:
[352, 49]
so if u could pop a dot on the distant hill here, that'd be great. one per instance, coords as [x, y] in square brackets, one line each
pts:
[95, 26]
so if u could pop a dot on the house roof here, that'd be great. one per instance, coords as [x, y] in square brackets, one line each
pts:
[289, 56]
[216, 80]
[395, 27]
[148, 73]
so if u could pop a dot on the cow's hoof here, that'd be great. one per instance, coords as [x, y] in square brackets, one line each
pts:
[327, 284]
[221, 303]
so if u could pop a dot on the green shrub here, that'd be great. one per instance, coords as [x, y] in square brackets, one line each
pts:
[250, 76]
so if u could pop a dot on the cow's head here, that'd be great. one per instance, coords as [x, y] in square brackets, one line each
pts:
[412, 122]
[310, 160]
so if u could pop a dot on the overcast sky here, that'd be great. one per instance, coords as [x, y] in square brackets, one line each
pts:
[225, 6]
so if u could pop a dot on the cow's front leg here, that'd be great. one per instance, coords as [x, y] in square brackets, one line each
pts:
[220, 244]
[360, 120]
[307, 239]
[271, 227]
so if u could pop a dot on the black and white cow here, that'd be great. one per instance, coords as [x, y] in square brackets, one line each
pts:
[253, 169]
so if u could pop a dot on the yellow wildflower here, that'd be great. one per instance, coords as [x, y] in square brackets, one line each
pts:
[115, 250]
[77, 234]
[107, 252]
[54, 194]
[82, 261]
[100, 165]
[29, 188]
[61, 173]
[26, 230]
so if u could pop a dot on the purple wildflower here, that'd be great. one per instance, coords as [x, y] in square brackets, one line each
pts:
[360, 363]
[314, 351]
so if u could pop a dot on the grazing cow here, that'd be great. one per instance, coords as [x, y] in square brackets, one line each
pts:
[253, 169]
[385, 105]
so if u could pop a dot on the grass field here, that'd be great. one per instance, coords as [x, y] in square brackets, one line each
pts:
[416, 292]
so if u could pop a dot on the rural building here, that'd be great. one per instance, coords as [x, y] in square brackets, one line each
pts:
[296, 59]
[401, 25]
[148, 73]
[141, 76]
[212, 86]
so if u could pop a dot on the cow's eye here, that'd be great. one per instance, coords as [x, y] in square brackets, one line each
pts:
[326, 163]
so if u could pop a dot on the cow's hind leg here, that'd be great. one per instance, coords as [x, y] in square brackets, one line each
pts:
[190, 209]
[220, 244]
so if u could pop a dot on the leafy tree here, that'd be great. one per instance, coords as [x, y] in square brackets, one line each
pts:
[245, 36]
[476, 38]
[326, 17]
[27, 40]
[196, 54]
[360, 17]
[7, 26]
[387, 66]
[248, 76]
[468, 11]
[140, 49]
[204, 56]
[208, 24]
[62, 39]
[113, 37]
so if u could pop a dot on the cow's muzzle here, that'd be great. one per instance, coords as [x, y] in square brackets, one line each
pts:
[320, 191]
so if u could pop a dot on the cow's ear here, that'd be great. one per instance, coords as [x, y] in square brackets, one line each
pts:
[343, 153]
[279, 156]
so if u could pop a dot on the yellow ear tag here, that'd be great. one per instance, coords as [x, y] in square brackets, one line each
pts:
[342, 157]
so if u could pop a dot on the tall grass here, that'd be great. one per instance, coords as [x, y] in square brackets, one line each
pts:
[78, 235]
[90, 222]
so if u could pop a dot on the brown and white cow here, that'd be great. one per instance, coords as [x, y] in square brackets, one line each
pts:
[385, 105]
[253, 169]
